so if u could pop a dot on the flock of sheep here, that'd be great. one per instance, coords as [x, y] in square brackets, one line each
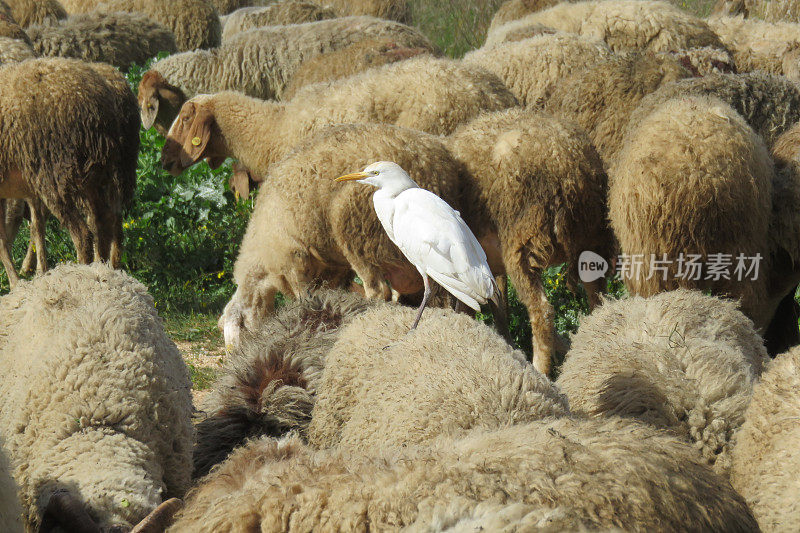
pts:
[628, 128]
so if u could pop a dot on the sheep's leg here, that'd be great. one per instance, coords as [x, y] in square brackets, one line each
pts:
[374, 285]
[425, 297]
[15, 209]
[38, 229]
[81, 237]
[115, 252]
[5, 248]
[528, 282]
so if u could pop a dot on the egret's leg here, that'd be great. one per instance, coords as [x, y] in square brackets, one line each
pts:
[424, 299]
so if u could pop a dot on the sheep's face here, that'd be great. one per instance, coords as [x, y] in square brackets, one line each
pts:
[193, 136]
[159, 102]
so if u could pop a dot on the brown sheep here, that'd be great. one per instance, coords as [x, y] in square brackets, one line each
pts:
[78, 160]
[602, 96]
[194, 23]
[537, 194]
[694, 181]
[306, 229]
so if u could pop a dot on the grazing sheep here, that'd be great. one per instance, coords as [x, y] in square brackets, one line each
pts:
[601, 97]
[555, 475]
[757, 45]
[119, 39]
[261, 62]
[78, 159]
[433, 380]
[398, 10]
[770, 104]
[282, 13]
[94, 397]
[194, 23]
[623, 25]
[678, 360]
[348, 61]
[766, 460]
[691, 182]
[270, 382]
[318, 230]
[29, 12]
[259, 133]
[533, 67]
[537, 196]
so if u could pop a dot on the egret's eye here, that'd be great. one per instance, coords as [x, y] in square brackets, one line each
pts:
[374, 172]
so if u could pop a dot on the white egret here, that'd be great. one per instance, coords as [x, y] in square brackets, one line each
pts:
[431, 234]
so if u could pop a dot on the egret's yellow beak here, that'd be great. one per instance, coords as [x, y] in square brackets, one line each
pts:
[353, 176]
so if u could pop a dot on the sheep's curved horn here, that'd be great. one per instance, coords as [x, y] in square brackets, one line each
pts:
[160, 518]
[70, 513]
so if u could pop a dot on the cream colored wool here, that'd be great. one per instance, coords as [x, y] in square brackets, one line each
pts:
[537, 195]
[399, 10]
[94, 397]
[601, 97]
[119, 39]
[261, 62]
[623, 25]
[259, 133]
[447, 376]
[281, 13]
[678, 360]
[758, 45]
[766, 459]
[348, 61]
[512, 10]
[558, 475]
[533, 67]
[194, 23]
[694, 178]
[306, 229]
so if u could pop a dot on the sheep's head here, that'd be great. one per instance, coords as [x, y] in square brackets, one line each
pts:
[159, 102]
[193, 136]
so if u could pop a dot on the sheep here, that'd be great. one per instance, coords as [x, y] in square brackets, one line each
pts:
[758, 45]
[397, 10]
[537, 192]
[336, 230]
[770, 104]
[14, 51]
[258, 63]
[120, 39]
[708, 178]
[78, 160]
[282, 13]
[269, 383]
[602, 96]
[623, 25]
[765, 459]
[390, 94]
[432, 380]
[679, 360]
[194, 23]
[348, 61]
[554, 475]
[29, 12]
[94, 397]
[533, 67]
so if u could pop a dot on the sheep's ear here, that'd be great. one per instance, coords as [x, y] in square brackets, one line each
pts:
[197, 137]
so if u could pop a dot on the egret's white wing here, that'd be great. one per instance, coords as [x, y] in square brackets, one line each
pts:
[438, 242]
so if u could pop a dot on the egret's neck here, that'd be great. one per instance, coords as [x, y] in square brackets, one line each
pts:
[383, 199]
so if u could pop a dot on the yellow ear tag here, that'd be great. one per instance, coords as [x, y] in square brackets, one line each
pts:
[196, 141]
